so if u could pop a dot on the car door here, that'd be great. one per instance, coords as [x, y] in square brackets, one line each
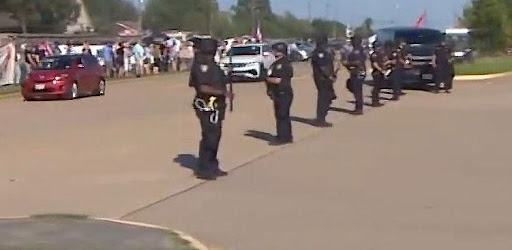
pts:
[90, 63]
[81, 75]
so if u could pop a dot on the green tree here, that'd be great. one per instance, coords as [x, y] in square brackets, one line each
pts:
[366, 28]
[53, 13]
[491, 22]
[105, 13]
[192, 15]
[332, 28]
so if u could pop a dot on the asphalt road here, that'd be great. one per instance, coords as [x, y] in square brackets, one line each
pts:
[428, 172]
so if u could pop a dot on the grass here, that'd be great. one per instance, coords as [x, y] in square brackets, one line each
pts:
[485, 66]
[9, 89]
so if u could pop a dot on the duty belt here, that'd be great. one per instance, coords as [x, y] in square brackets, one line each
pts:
[211, 106]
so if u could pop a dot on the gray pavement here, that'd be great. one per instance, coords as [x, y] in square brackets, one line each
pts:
[428, 172]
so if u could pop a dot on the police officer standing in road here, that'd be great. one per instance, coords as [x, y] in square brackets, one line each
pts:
[280, 91]
[209, 82]
[324, 76]
[379, 64]
[356, 65]
[399, 58]
[443, 68]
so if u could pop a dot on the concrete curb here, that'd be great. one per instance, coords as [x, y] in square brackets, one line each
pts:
[480, 77]
[191, 241]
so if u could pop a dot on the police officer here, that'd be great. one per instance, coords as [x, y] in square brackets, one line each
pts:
[324, 76]
[399, 58]
[379, 63]
[355, 63]
[442, 68]
[280, 91]
[209, 82]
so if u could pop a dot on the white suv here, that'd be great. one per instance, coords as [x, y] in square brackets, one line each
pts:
[248, 61]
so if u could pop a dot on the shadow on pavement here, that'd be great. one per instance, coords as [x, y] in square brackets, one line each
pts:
[342, 110]
[365, 103]
[186, 160]
[264, 136]
[307, 121]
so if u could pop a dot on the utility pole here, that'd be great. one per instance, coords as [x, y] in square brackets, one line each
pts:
[141, 11]
[309, 12]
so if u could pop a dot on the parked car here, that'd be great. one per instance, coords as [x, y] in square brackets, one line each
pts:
[249, 61]
[65, 77]
[299, 52]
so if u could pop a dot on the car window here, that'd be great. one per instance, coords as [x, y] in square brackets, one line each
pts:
[90, 61]
[266, 48]
[245, 51]
[58, 62]
[419, 36]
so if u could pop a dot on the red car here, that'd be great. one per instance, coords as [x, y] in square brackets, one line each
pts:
[67, 77]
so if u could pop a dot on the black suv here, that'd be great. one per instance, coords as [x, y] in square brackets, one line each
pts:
[421, 45]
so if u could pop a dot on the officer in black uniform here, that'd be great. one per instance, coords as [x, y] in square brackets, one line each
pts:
[324, 76]
[356, 65]
[280, 91]
[399, 58]
[442, 68]
[379, 63]
[209, 82]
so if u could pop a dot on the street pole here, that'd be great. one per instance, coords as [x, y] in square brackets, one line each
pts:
[141, 7]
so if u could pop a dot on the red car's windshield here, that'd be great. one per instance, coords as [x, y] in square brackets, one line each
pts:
[53, 63]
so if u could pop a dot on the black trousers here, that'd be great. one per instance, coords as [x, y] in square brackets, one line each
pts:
[356, 82]
[211, 133]
[451, 74]
[378, 82]
[443, 75]
[397, 81]
[282, 104]
[325, 97]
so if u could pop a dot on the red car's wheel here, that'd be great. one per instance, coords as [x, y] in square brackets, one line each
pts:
[102, 87]
[72, 92]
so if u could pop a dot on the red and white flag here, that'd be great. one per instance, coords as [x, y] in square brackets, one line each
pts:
[258, 34]
[421, 20]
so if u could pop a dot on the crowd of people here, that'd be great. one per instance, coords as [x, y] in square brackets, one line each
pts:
[120, 59]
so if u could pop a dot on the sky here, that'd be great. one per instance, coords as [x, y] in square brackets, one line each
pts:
[441, 14]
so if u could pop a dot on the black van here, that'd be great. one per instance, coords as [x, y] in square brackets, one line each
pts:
[422, 43]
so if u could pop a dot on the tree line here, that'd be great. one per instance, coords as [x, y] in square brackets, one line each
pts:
[204, 16]
[201, 16]
[491, 21]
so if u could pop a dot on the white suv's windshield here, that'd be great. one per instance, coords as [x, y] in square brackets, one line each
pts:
[246, 51]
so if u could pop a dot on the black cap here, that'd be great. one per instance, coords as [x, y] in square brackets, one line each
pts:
[280, 47]
[205, 46]
[356, 39]
[321, 39]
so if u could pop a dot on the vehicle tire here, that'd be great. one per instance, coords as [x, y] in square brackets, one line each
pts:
[72, 92]
[102, 87]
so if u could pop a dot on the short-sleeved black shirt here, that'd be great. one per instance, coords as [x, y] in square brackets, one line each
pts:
[399, 55]
[323, 64]
[379, 58]
[208, 74]
[357, 59]
[442, 56]
[282, 68]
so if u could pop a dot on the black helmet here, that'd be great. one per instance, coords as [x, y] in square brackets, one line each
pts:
[205, 46]
[356, 39]
[321, 39]
[280, 47]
